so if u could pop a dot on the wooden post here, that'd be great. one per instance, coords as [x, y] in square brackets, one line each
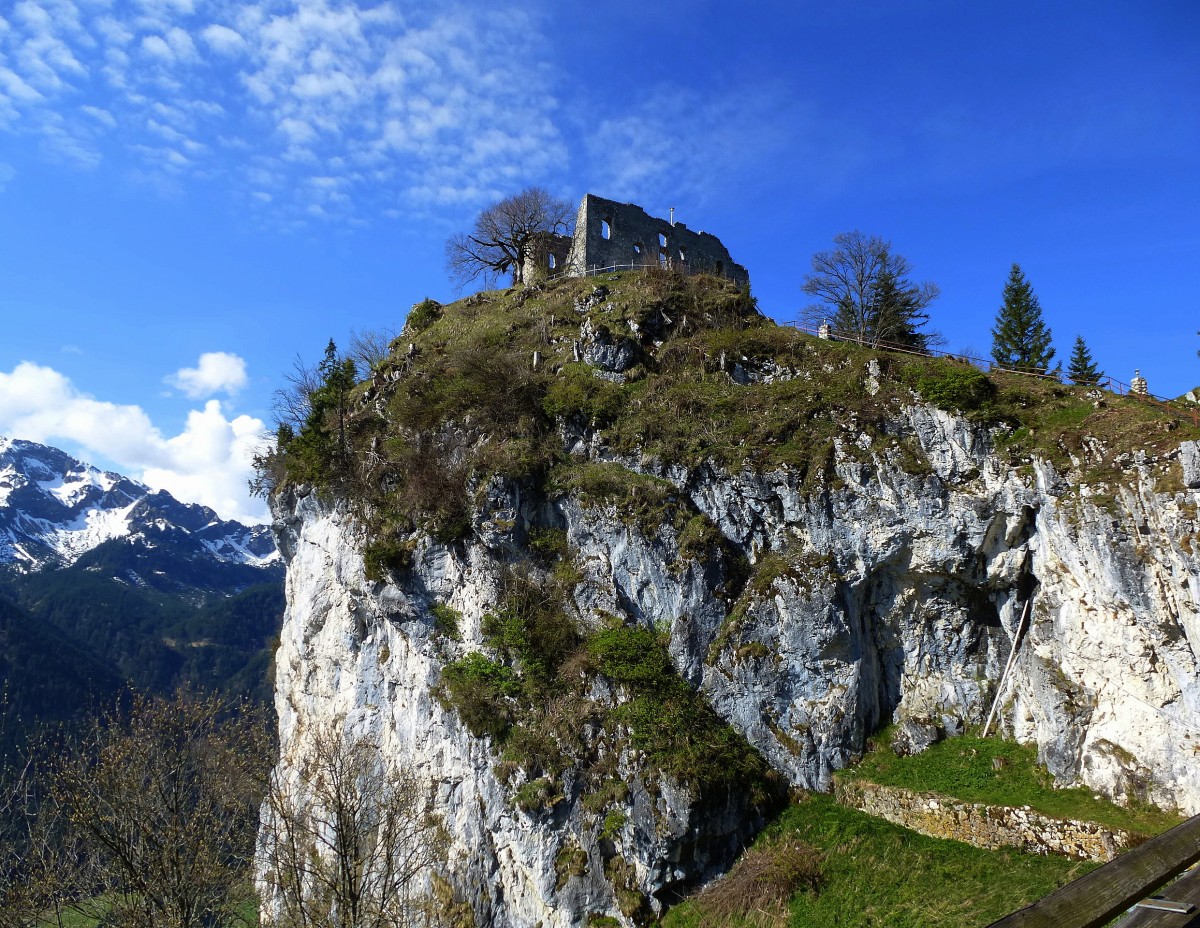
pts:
[1100, 896]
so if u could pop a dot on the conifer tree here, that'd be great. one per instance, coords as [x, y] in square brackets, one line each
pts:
[1021, 339]
[1082, 369]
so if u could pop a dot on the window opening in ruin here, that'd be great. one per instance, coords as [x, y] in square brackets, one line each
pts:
[551, 262]
[662, 259]
[605, 229]
[637, 248]
[682, 254]
[662, 240]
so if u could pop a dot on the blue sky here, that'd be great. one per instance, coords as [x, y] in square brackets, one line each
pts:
[194, 192]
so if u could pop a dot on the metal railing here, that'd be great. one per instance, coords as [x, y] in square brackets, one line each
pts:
[679, 267]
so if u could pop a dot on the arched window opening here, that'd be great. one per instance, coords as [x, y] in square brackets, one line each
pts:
[605, 229]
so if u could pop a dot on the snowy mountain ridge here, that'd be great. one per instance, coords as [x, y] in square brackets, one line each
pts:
[55, 508]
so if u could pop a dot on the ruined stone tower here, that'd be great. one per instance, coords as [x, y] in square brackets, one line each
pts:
[609, 234]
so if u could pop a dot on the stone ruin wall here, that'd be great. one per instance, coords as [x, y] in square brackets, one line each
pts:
[609, 233]
[983, 825]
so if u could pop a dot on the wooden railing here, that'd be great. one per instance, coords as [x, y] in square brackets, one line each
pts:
[1100, 896]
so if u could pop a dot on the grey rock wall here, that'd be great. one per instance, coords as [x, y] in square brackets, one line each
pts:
[892, 596]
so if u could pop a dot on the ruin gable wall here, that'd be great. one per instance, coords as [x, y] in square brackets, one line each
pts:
[609, 233]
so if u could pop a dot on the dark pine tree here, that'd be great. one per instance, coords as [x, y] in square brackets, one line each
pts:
[897, 312]
[1082, 369]
[1021, 339]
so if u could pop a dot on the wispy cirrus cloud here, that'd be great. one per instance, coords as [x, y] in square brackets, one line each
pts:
[403, 109]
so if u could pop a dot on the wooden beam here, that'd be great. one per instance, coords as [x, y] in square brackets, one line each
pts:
[1185, 890]
[1097, 898]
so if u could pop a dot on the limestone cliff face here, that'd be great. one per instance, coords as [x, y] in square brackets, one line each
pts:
[885, 596]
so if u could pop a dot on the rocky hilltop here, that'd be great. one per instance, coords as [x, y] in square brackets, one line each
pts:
[610, 565]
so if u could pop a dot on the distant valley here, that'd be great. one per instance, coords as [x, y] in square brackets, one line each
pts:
[105, 582]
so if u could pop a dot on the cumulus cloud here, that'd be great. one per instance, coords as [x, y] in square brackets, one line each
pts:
[216, 372]
[208, 462]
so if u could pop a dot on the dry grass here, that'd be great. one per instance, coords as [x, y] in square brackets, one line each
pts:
[758, 888]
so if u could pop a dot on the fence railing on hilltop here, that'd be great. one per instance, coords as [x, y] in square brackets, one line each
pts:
[1110, 384]
[678, 267]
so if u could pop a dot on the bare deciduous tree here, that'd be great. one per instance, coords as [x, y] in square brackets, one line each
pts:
[503, 234]
[292, 403]
[148, 820]
[864, 292]
[348, 842]
[369, 349]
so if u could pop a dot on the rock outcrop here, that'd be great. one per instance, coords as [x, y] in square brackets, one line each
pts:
[806, 612]
[893, 597]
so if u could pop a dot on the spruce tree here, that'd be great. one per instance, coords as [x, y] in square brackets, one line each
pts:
[1021, 339]
[1082, 369]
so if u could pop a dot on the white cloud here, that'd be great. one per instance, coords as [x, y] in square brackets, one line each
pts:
[444, 106]
[208, 462]
[216, 372]
[157, 47]
[641, 155]
[102, 116]
[223, 40]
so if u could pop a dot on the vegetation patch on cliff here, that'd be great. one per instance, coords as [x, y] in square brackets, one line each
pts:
[537, 697]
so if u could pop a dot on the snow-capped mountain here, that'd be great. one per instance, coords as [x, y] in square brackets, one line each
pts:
[54, 509]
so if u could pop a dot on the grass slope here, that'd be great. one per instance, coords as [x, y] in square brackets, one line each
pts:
[881, 875]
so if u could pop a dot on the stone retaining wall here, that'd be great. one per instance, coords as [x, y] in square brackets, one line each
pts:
[983, 825]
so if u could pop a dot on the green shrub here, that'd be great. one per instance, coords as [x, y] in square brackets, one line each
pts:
[676, 728]
[383, 555]
[634, 656]
[532, 628]
[956, 388]
[571, 860]
[550, 544]
[480, 691]
[536, 794]
[423, 315]
[698, 537]
[446, 621]
[579, 392]
[613, 823]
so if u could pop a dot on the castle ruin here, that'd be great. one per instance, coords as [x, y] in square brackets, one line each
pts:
[621, 236]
